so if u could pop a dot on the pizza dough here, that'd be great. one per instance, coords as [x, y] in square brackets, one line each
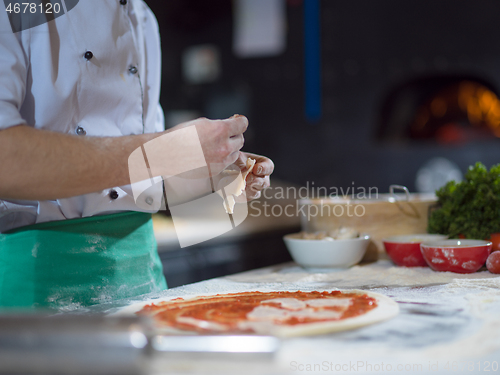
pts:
[236, 187]
[281, 314]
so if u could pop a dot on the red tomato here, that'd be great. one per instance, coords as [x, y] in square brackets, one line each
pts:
[493, 262]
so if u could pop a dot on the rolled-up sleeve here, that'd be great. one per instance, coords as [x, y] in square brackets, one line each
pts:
[13, 72]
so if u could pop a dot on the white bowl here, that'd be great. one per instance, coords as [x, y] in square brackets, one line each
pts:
[326, 254]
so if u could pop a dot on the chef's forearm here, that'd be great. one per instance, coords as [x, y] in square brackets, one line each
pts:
[39, 164]
[180, 190]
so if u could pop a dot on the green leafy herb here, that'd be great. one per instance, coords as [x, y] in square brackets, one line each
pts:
[470, 208]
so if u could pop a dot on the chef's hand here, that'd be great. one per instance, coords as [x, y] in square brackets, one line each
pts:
[221, 140]
[259, 179]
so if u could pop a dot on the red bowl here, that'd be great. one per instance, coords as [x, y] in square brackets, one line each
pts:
[405, 250]
[456, 255]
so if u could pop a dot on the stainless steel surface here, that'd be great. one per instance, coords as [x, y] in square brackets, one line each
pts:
[87, 344]
[39, 344]
[251, 348]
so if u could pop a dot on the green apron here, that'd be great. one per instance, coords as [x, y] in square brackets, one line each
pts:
[80, 262]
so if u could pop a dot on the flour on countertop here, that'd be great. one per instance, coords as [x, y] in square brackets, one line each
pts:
[493, 283]
[453, 318]
[382, 273]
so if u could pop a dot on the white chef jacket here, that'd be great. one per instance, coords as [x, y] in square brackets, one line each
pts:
[48, 81]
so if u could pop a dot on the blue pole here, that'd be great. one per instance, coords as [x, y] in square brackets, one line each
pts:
[312, 52]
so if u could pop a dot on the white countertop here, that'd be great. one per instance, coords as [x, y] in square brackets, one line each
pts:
[448, 323]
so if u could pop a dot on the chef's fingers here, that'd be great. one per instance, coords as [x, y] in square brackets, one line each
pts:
[238, 124]
[236, 143]
[231, 159]
[258, 183]
[241, 162]
[263, 167]
[250, 195]
[232, 150]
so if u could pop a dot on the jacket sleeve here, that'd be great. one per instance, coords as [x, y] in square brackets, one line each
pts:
[13, 73]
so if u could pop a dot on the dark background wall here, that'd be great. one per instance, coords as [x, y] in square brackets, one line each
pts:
[368, 48]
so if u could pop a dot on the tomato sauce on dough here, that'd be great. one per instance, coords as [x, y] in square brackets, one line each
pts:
[225, 313]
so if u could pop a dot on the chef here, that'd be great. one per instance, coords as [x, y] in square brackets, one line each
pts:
[78, 94]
